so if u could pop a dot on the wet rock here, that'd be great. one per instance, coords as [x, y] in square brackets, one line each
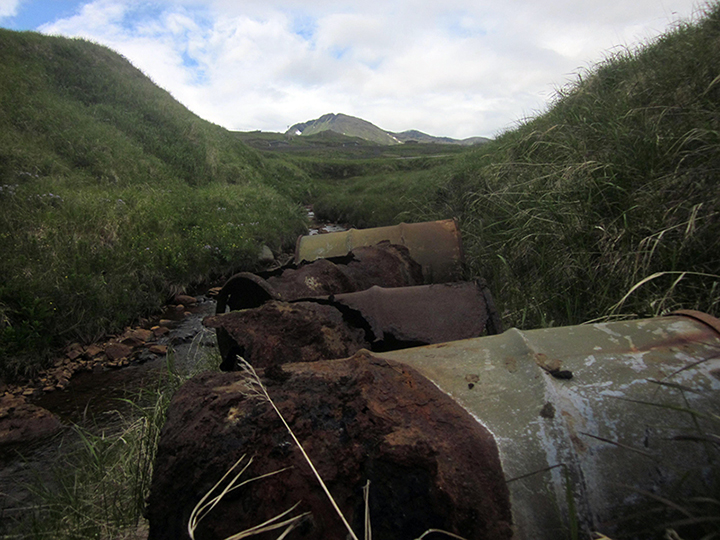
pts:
[132, 342]
[142, 334]
[212, 293]
[280, 333]
[93, 350]
[23, 422]
[266, 256]
[185, 300]
[146, 356]
[183, 336]
[430, 464]
[74, 351]
[160, 330]
[115, 351]
[160, 350]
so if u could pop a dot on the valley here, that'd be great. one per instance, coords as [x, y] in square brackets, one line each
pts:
[116, 199]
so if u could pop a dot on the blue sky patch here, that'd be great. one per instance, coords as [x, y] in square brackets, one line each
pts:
[304, 26]
[32, 14]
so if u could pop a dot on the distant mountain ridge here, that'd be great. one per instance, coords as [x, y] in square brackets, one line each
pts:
[357, 127]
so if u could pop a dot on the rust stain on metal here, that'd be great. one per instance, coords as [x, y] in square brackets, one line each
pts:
[278, 333]
[704, 318]
[423, 315]
[338, 325]
[384, 265]
[435, 245]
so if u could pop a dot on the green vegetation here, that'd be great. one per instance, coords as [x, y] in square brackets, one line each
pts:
[114, 197]
[613, 191]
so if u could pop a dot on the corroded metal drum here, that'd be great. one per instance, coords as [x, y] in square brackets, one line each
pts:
[384, 265]
[435, 245]
[337, 326]
[591, 419]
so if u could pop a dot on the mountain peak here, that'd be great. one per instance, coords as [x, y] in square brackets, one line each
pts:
[345, 125]
[357, 127]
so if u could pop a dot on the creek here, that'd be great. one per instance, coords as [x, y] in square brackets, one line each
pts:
[98, 402]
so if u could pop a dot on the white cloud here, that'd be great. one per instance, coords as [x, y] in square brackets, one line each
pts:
[456, 68]
[8, 8]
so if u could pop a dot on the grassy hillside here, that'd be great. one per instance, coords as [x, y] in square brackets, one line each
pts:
[607, 205]
[114, 196]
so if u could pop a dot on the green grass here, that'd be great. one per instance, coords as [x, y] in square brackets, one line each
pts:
[615, 183]
[81, 263]
[114, 197]
[380, 199]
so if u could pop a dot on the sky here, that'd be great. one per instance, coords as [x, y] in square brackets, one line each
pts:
[454, 68]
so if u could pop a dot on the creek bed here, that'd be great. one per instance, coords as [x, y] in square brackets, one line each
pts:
[95, 401]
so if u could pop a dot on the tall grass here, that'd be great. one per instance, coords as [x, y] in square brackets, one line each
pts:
[376, 199]
[78, 263]
[615, 183]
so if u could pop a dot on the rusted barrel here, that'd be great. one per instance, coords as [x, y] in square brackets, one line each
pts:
[589, 419]
[385, 265]
[436, 245]
[337, 326]
[412, 316]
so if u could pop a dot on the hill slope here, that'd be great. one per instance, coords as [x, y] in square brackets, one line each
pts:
[69, 105]
[345, 125]
[114, 196]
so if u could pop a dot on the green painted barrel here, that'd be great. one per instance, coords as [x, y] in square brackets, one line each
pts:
[435, 245]
[591, 419]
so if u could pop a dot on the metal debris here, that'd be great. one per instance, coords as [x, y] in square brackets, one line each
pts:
[620, 425]
[435, 245]
[337, 326]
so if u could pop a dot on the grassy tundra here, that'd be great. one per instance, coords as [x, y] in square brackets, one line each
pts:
[114, 196]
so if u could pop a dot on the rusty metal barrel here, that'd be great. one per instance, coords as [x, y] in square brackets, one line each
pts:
[435, 245]
[411, 316]
[590, 419]
[337, 326]
[385, 265]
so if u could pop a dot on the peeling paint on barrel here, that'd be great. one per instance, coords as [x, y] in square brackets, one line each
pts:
[436, 245]
[612, 424]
